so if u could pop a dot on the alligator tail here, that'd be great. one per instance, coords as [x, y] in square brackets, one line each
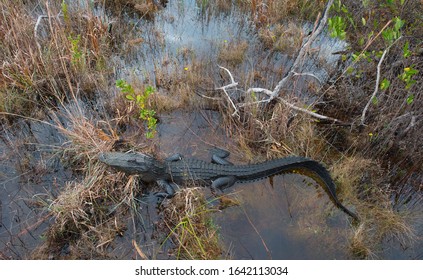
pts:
[324, 175]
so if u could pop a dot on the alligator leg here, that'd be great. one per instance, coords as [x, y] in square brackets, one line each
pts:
[223, 182]
[175, 157]
[219, 156]
[168, 187]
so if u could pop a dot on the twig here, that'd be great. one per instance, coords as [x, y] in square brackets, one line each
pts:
[308, 74]
[36, 30]
[37, 23]
[313, 114]
[411, 125]
[363, 114]
[231, 85]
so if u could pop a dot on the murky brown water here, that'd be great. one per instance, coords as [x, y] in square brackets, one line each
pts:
[292, 218]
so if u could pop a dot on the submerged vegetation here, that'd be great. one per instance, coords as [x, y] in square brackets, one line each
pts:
[62, 67]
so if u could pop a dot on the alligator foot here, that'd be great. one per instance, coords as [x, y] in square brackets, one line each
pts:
[223, 182]
[175, 157]
[170, 189]
[219, 156]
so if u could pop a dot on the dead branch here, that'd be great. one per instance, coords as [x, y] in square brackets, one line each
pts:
[303, 51]
[37, 23]
[363, 114]
[308, 74]
[233, 84]
[318, 28]
[311, 113]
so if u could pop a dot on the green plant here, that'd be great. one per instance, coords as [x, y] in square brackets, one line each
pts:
[65, 11]
[407, 76]
[77, 58]
[338, 24]
[385, 84]
[140, 100]
[393, 33]
[337, 27]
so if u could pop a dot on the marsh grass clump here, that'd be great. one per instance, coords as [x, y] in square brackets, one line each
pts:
[48, 59]
[266, 13]
[359, 182]
[143, 8]
[190, 225]
[233, 53]
[92, 210]
[87, 216]
[273, 130]
[284, 38]
[178, 86]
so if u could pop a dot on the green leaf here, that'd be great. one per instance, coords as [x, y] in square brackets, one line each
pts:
[365, 3]
[344, 9]
[410, 83]
[350, 70]
[405, 50]
[355, 57]
[384, 84]
[410, 99]
[363, 21]
[411, 71]
[149, 90]
[374, 100]
[119, 83]
[398, 23]
[129, 97]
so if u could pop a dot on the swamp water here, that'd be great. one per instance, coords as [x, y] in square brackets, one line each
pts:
[290, 217]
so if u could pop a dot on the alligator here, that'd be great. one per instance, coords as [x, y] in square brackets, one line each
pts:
[219, 174]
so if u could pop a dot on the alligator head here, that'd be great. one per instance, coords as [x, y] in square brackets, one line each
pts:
[134, 163]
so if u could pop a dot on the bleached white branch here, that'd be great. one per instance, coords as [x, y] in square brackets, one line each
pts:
[311, 113]
[308, 74]
[259, 90]
[363, 114]
[318, 28]
[411, 125]
[37, 23]
[36, 29]
[303, 51]
[231, 85]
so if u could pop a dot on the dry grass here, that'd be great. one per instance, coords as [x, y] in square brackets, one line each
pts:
[275, 131]
[284, 38]
[65, 55]
[88, 216]
[190, 225]
[265, 12]
[143, 8]
[233, 53]
[89, 212]
[360, 183]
